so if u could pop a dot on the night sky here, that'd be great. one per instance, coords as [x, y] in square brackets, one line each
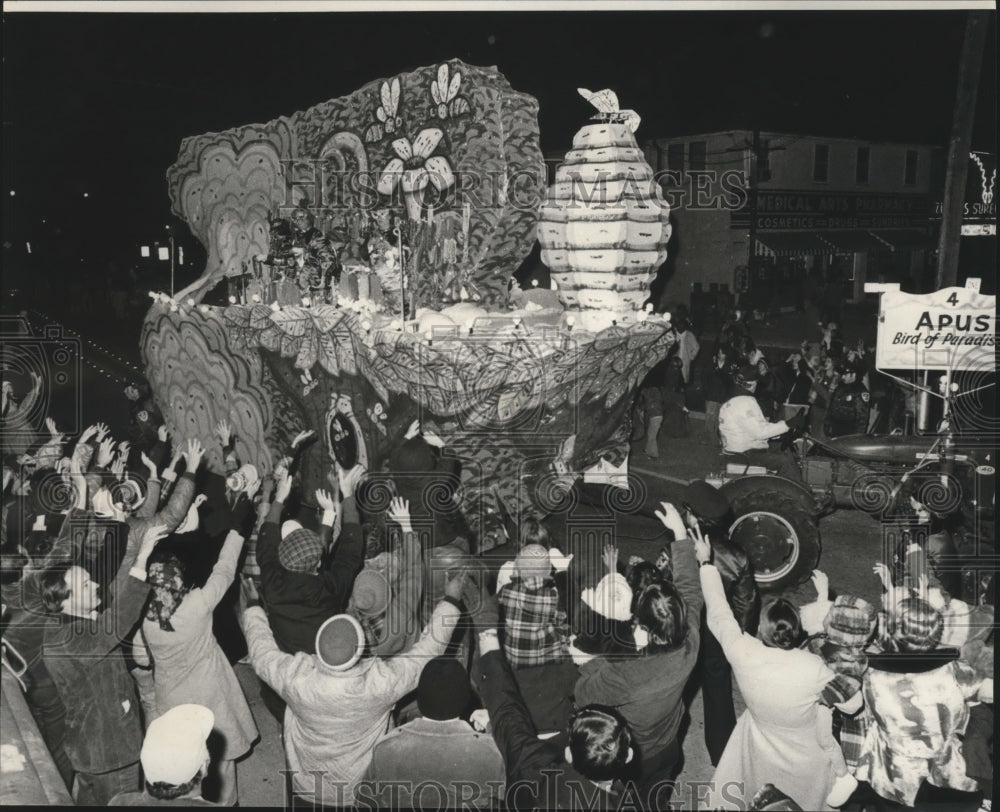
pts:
[99, 103]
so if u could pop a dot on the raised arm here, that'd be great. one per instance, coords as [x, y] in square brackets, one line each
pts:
[269, 662]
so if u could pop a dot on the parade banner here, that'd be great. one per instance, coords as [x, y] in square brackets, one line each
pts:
[950, 329]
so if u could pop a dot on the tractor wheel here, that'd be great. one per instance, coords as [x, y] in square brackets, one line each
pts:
[779, 534]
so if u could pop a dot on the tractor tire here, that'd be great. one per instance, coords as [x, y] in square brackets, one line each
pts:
[778, 531]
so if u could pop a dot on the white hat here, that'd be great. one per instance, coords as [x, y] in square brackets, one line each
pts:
[174, 748]
[612, 597]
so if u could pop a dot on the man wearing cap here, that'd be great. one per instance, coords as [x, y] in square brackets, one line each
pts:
[299, 591]
[339, 702]
[745, 431]
[440, 747]
[174, 760]
[707, 508]
[850, 404]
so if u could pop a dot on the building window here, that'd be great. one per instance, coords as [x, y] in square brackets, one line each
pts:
[675, 157]
[861, 167]
[696, 156]
[910, 171]
[821, 160]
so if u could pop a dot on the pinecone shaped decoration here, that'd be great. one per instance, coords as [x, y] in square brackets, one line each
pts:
[604, 225]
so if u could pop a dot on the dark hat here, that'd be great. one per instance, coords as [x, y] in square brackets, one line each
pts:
[443, 691]
[340, 642]
[850, 621]
[414, 456]
[705, 501]
[300, 549]
[847, 366]
[746, 373]
[371, 592]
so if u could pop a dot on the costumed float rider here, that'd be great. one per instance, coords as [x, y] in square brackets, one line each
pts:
[309, 257]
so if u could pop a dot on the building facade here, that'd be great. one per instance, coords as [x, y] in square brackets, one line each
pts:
[824, 216]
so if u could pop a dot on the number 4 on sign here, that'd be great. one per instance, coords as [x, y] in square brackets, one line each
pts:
[953, 299]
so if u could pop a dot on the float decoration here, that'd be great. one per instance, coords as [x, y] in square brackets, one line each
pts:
[423, 322]
[604, 225]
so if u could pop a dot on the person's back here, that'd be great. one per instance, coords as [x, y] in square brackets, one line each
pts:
[463, 766]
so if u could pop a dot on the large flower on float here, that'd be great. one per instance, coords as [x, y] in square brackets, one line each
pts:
[414, 167]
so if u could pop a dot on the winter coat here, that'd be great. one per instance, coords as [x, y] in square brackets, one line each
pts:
[298, 602]
[189, 666]
[648, 690]
[775, 739]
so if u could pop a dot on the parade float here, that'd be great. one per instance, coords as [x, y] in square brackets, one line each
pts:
[360, 259]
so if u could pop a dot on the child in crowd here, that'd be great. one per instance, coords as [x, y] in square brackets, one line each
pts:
[535, 629]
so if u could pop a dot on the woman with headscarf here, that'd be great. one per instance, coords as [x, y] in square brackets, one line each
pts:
[775, 739]
[917, 695]
[188, 663]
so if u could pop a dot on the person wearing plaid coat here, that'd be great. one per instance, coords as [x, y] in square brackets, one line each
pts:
[535, 629]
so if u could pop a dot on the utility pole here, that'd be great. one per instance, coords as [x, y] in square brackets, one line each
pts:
[976, 25]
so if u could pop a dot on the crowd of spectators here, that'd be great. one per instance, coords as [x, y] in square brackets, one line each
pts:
[405, 671]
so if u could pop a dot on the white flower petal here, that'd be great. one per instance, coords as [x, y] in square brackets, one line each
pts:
[426, 142]
[403, 148]
[390, 176]
[440, 174]
[415, 179]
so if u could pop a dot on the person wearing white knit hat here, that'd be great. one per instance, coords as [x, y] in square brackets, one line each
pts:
[174, 759]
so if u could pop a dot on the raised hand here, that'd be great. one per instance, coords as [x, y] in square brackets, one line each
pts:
[195, 451]
[152, 536]
[224, 431]
[282, 486]
[325, 499]
[412, 431]
[162, 433]
[87, 433]
[105, 452]
[431, 438]
[123, 448]
[350, 479]
[672, 520]
[399, 512]
[102, 432]
[610, 558]
[118, 468]
[883, 574]
[150, 465]
[822, 584]
[702, 545]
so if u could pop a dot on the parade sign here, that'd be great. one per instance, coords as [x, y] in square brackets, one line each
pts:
[950, 329]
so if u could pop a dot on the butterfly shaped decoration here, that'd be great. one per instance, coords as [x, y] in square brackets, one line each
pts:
[606, 102]
[386, 112]
[444, 92]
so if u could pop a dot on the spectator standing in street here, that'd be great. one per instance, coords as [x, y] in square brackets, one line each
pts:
[706, 507]
[718, 388]
[850, 404]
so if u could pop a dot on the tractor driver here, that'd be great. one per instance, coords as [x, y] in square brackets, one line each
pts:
[746, 431]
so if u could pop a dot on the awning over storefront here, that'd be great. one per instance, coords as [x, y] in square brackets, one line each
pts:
[791, 243]
[906, 239]
[855, 242]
